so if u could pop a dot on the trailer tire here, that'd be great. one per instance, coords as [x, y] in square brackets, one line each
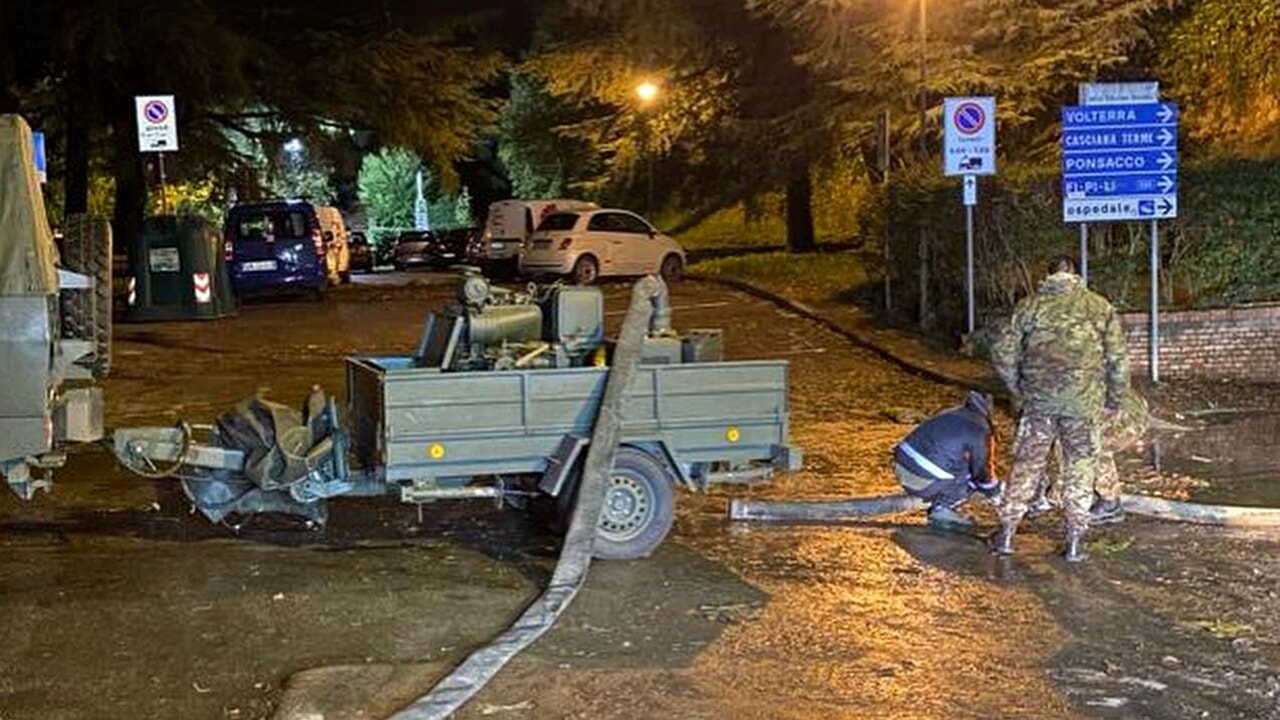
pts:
[639, 507]
[86, 315]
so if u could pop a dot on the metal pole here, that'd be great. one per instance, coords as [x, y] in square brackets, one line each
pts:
[924, 72]
[164, 192]
[1154, 314]
[885, 169]
[923, 247]
[1084, 252]
[968, 263]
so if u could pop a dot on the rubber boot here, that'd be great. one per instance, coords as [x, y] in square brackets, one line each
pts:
[1106, 511]
[1075, 544]
[1002, 542]
[947, 519]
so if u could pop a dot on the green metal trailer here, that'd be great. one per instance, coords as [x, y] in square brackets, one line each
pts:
[437, 436]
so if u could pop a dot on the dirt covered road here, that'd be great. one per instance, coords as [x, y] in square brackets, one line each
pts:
[116, 603]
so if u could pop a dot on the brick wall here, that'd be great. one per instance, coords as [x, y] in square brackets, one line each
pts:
[1239, 343]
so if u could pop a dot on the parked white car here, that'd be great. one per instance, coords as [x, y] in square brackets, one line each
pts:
[589, 244]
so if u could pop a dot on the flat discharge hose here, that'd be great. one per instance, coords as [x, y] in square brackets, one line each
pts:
[467, 679]
[853, 509]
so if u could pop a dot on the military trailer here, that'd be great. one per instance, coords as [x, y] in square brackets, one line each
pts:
[497, 401]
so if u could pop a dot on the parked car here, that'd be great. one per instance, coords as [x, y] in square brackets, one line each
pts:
[413, 249]
[275, 245]
[361, 253]
[336, 243]
[509, 226]
[590, 244]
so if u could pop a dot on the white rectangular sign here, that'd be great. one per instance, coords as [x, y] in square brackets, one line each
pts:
[1100, 209]
[157, 123]
[969, 137]
[1119, 93]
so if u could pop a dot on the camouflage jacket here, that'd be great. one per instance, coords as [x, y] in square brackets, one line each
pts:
[1063, 352]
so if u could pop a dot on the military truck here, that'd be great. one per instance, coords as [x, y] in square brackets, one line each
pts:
[55, 322]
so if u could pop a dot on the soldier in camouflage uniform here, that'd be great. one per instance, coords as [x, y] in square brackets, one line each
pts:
[1063, 359]
[1119, 433]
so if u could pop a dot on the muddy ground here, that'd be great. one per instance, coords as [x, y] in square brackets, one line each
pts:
[116, 603]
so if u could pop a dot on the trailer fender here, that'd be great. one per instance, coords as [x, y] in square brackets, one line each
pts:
[659, 449]
[560, 465]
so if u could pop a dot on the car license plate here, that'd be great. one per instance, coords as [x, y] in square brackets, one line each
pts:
[499, 246]
[259, 266]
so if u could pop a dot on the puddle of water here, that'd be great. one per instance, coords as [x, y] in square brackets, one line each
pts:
[1237, 454]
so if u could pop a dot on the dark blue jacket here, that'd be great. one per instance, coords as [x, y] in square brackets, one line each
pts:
[955, 442]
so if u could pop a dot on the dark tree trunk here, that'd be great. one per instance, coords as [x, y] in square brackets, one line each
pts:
[131, 185]
[77, 164]
[800, 236]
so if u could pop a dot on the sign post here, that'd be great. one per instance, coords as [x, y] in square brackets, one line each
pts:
[157, 133]
[969, 150]
[1120, 162]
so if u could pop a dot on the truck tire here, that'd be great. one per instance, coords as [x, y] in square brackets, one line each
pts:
[639, 507]
[86, 315]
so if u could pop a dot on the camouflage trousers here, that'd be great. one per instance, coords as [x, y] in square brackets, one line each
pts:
[1116, 437]
[1080, 440]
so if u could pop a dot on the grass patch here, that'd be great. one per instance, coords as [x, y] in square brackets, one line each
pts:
[810, 277]
[730, 228]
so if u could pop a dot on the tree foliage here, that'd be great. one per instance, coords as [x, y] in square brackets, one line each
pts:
[387, 186]
[1222, 61]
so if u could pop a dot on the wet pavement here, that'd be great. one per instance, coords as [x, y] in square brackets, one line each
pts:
[116, 603]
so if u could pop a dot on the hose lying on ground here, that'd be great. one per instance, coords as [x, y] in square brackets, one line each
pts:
[575, 556]
[866, 507]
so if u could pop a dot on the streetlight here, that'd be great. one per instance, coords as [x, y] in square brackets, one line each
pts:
[923, 246]
[647, 92]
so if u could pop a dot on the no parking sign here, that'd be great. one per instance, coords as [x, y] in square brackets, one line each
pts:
[969, 140]
[157, 123]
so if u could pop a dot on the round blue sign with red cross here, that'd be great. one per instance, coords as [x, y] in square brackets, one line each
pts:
[969, 118]
[155, 112]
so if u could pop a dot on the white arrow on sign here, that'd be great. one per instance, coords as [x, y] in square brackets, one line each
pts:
[1165, 114]
[1165, 206]
[1166, 183]
[1165, 136]
[1166, 161]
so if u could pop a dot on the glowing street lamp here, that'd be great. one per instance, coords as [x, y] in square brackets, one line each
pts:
[647, 92]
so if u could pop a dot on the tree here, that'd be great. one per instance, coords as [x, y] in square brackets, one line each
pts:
[541, 160]
[1222, 60]
[409, 73]
[387, 189]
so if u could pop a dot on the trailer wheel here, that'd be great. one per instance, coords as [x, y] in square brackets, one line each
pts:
[639, 507]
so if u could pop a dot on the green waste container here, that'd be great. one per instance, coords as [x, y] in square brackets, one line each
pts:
[177, 271]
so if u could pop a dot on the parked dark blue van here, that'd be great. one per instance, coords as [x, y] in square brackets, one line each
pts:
[275, 245]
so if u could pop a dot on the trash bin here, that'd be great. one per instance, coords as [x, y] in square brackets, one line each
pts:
[177, 271]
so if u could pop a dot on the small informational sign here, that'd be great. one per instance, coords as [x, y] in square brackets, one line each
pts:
[42, 168]
[969, 136]
[1119, 93]
[157, 123]
[970, 190]
[164, 260]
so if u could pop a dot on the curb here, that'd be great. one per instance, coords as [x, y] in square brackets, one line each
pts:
[859, 339]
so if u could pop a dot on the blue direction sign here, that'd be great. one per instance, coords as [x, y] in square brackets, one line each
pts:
[1120, 162]
[1123, 117]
